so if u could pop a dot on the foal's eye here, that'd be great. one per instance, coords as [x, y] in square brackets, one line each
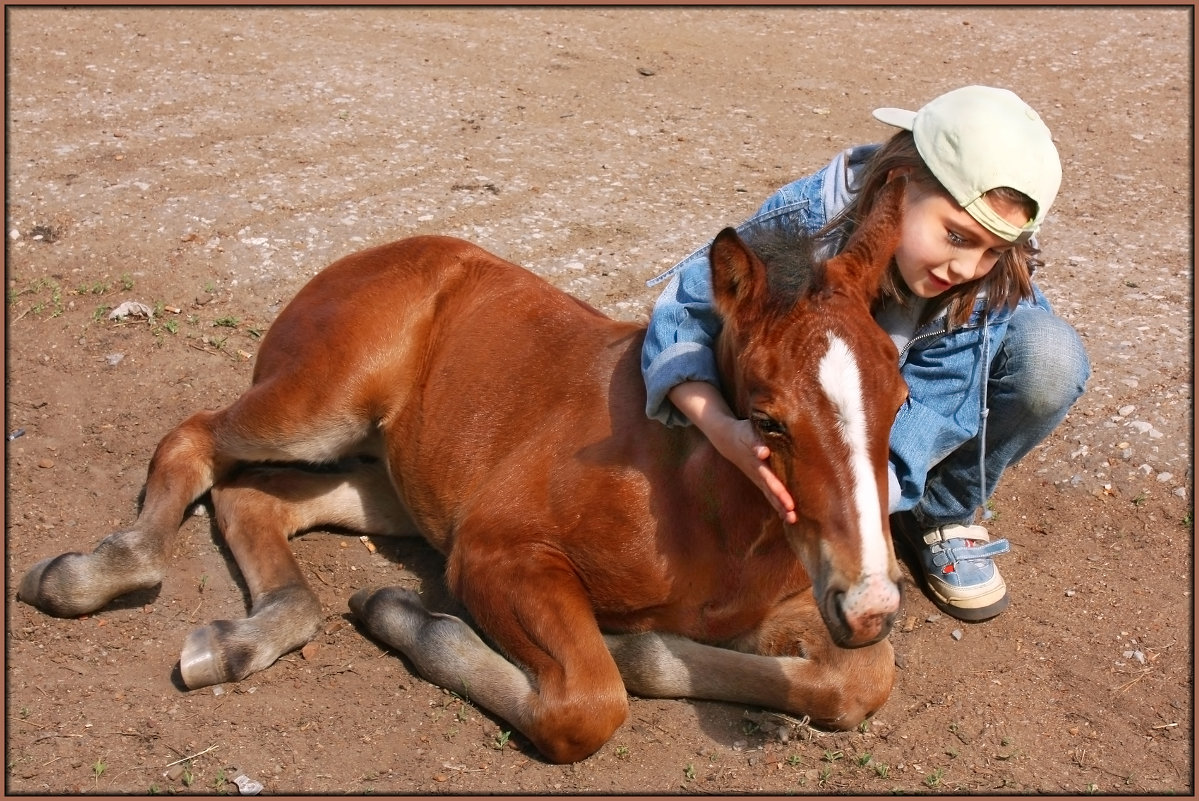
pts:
[767, 426]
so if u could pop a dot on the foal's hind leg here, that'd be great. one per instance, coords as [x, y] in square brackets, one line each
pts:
[789, 664]
[257, 512]
[180, 472]
[284, 419]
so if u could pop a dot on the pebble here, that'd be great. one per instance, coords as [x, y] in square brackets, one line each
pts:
[46, 463]
[957, 634]
[247, 786]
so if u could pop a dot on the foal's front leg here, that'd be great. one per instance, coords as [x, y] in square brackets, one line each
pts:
[789, 664]
[557, 684]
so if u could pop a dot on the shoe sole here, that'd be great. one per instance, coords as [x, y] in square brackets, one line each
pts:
[970, 614]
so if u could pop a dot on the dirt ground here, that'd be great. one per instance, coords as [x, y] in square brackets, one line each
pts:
[207, 161]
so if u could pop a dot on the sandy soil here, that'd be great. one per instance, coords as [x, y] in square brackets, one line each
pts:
[207, 161]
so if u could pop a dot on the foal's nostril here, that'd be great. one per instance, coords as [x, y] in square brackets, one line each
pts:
[840, 629]
[862, 615]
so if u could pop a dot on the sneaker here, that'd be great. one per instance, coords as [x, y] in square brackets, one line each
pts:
[958, 568]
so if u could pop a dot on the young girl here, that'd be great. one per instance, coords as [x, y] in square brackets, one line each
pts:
[990, 368]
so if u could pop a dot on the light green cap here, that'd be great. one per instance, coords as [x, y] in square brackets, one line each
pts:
[979, 138]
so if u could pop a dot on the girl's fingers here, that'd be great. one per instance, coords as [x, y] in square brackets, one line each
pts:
[777, 494]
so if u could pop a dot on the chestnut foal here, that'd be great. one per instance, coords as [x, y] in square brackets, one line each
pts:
[429, 388]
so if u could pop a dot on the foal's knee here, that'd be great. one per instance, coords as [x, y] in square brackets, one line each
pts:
[859, 688]
[575, 732]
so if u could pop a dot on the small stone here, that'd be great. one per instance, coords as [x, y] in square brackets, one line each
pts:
[957, 634]
[46, 464]
[247, 786]
[310, 650]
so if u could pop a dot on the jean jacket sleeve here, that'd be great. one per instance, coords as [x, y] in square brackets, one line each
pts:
[684, 324]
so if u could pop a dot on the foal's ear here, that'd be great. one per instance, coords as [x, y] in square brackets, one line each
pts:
[860, 267]
[738, 276]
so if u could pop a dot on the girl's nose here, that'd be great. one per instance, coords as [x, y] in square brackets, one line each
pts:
[969, 266]
[961, 270]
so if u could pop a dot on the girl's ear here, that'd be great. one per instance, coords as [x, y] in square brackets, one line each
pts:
[898, 172]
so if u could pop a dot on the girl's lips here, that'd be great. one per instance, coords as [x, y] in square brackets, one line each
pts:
[937, 282]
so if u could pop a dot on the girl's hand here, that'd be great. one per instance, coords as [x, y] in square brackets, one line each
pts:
[737, 441]
[734, 439]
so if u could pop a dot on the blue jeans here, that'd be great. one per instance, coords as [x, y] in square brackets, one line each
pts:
[1039, 371]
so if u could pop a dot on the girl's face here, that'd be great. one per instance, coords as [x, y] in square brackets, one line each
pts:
[942, 246]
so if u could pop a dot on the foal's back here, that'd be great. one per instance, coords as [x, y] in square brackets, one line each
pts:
[512, 416]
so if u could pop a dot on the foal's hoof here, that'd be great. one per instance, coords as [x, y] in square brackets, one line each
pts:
[200, 664]
[394, 615]
[52, 591]
[369, 602]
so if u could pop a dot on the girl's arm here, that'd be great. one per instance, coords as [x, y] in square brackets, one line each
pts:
[734, 439]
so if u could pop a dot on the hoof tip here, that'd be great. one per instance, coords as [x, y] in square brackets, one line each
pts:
[198, 664]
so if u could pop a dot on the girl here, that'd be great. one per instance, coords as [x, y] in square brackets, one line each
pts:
[990, 368]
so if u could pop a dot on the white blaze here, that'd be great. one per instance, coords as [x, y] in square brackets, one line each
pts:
[842, 384]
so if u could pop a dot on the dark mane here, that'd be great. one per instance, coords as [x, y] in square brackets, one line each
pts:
[789, 254]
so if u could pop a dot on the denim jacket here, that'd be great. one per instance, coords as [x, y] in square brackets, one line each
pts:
[944, 368]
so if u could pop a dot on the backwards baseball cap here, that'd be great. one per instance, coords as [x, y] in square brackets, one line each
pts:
[979, 138]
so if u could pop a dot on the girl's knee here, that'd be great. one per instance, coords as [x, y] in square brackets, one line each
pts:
[1044, 360]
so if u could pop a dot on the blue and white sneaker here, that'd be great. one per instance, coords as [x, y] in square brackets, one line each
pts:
[958, 568]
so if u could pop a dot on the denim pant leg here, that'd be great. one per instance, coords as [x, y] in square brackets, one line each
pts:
[1039, 371]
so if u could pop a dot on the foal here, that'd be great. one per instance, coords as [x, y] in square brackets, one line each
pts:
[446, 393]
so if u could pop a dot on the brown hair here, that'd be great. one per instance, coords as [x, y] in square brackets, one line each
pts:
[1006, 284]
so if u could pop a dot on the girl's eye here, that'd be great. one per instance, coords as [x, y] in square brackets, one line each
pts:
[957, 240]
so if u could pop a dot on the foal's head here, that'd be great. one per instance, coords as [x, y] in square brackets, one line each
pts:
[803, 359]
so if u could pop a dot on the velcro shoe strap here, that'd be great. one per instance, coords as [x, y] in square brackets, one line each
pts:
[979, 551]
[954, 531]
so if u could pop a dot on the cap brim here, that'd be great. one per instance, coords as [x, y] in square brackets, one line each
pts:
[896, 116]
